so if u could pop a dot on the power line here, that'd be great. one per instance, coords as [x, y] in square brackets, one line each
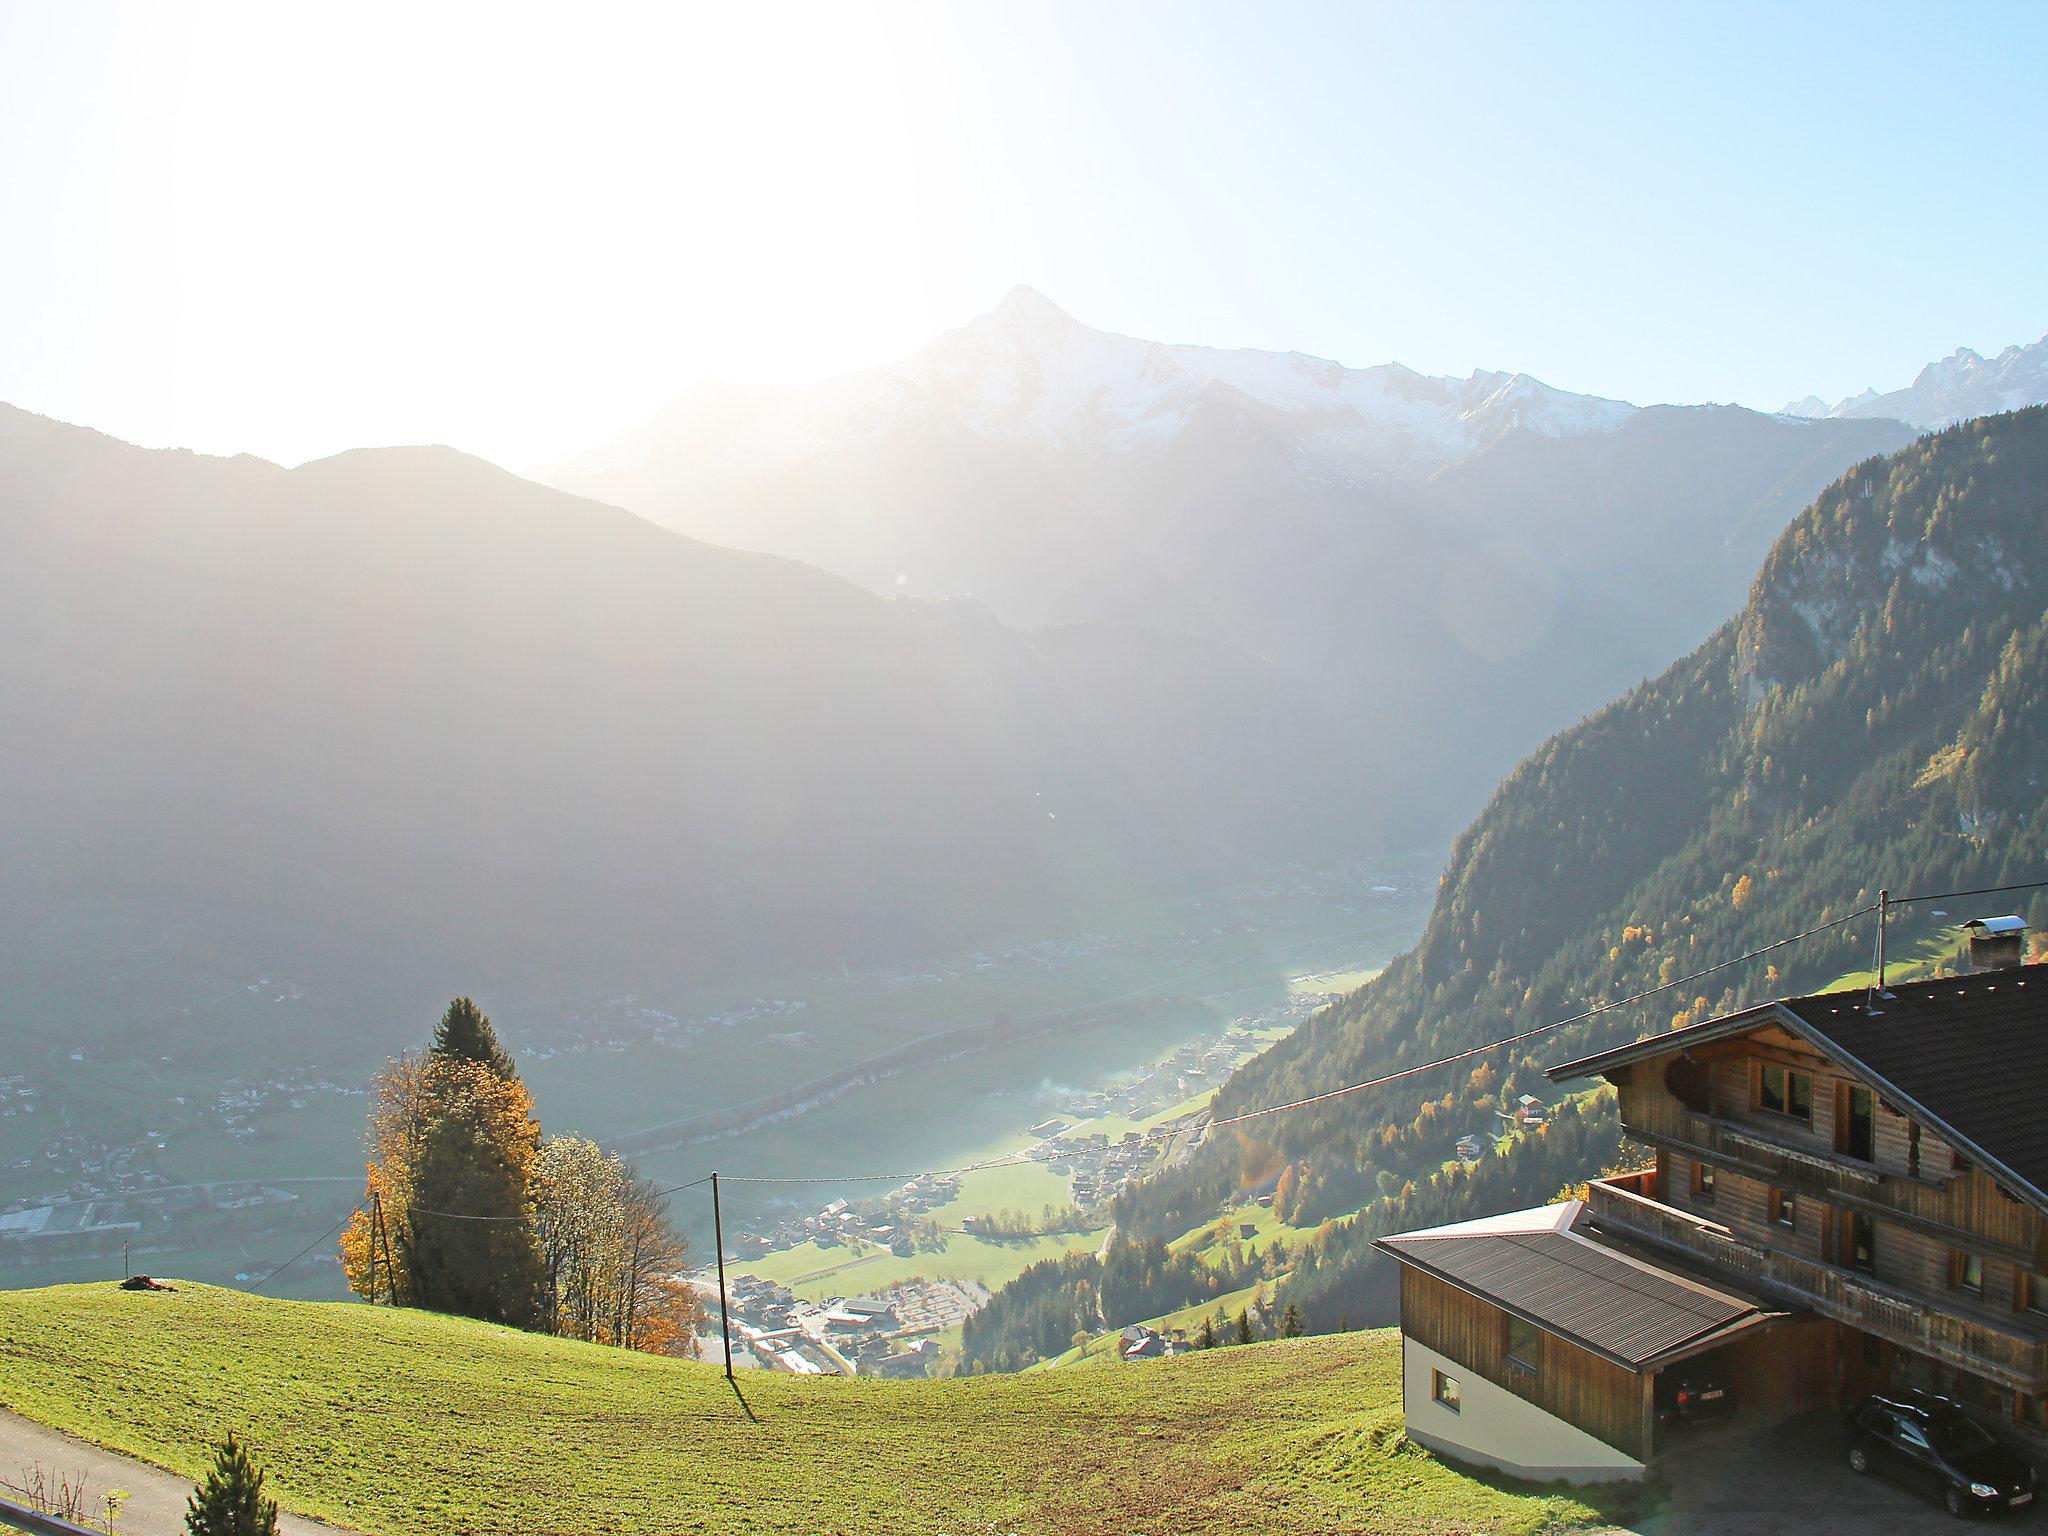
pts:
[288, 1263]
[424, 1210]
[1988, 890]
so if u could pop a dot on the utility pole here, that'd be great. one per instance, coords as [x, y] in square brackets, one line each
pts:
[1884, 902]
[1876, 990]
[380, 1238]
[718, 1241]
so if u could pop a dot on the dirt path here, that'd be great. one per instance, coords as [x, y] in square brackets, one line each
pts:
[155, 1505]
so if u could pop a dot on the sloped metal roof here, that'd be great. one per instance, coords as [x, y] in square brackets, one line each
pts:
[1540, 1267]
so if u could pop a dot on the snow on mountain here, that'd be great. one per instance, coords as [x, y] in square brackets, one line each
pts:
[1957, 387]
[1028, 373]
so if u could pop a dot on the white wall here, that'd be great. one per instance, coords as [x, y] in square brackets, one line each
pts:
[1495, 1428]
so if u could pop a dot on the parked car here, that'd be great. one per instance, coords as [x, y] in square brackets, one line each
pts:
[1693, 1396]
[1929, 1443]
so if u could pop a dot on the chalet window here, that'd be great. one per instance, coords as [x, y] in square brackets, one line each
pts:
[1966, 1271]
[1784, 1208]
[1525, 1345]
[1862, 1243]
[1703, 1182]
[1444, 1389]
[2034, 1294]
[1855, 1122]
[1785, 1092]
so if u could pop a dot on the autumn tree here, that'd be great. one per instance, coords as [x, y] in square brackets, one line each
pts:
[465, 1239]
[452, 1146]
[607, 1251]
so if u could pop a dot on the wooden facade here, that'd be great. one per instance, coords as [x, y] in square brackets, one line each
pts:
[1583, 1389]
[1780, 1170]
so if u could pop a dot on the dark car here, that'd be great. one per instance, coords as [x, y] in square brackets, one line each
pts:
[1929, 1443]
[1693, 1397]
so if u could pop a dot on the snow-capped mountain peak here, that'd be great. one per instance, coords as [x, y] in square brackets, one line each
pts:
[1951, 389]
[1027, 373]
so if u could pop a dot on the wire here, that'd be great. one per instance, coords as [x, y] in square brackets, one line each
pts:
[425, 1210]
[323, 1237]
[1987, 890]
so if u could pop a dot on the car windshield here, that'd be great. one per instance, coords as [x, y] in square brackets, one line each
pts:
[1958, 1437]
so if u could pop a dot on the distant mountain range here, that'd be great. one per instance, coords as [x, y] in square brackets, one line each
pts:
[1460, 565]
[401, 723]
[1957, 387]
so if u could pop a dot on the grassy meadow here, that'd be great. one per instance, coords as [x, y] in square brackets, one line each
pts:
[407, 1424]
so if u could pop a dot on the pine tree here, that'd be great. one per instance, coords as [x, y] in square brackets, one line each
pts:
[476, 1156]
[1206, 1338]
[230, 1502]
[1244, 1326]
[465, 1034]
[1290, 1322]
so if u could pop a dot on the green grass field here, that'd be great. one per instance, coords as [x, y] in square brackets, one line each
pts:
[395, 1423]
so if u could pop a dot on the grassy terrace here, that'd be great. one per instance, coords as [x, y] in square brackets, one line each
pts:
[400, 1422]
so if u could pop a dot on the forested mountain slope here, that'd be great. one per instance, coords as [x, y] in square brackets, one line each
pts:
[1876, 715]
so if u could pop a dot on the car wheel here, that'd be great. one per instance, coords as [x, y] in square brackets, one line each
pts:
[1859, 1460]
[1956, 1506]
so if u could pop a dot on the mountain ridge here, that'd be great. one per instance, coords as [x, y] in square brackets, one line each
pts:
[1948, 390]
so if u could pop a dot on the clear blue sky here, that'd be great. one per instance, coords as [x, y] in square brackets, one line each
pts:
[287, 231]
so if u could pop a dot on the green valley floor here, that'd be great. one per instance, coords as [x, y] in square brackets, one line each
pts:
[393, 1423]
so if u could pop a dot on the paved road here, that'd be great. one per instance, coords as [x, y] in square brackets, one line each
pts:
[1792, 1480]
[156, 1499]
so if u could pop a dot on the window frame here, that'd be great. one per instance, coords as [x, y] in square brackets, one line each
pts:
[1787, 1094]
[1783, 1208]
[2034, 1296]
[1851, 1221]
[1528, 1356]
[1703, 1177]
[1445, 1391]
[1966, 1271]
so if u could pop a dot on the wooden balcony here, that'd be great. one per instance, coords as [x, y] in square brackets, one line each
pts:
[1936, 1205]
[2014, 1354]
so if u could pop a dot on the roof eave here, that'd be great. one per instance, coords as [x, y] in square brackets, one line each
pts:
[1656, 1045]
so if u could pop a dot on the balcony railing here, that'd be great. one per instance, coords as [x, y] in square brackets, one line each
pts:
[1926, 1203]
[2015, 1355]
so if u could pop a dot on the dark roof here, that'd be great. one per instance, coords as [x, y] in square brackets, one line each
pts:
[1542, 1267]
[1965, 1055]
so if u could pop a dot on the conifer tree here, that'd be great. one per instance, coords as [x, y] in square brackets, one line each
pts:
[1206, 1338]
[465, 1034]
[230, 1501]
[1244, 1326]
[1290, 1322]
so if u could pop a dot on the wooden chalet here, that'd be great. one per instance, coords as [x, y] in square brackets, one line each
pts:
[1850, 1192]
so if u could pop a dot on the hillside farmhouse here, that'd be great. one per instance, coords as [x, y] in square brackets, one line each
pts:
[1850, 1193]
